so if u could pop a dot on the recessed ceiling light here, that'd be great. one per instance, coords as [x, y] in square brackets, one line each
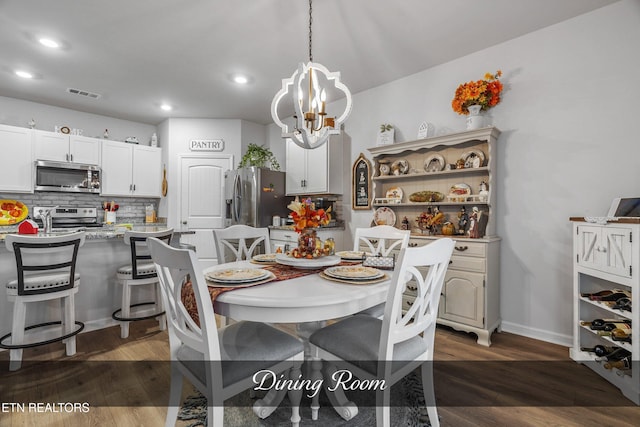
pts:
[240, 79]
[166, 107]
[49, 43]
[24, 74]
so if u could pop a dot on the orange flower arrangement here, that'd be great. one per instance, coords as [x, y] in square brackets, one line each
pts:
[305, 215]
[485, 93]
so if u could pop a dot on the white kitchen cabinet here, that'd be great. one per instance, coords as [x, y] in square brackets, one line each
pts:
[61, 147]
[131, 170]
[317, 171]
[16, 162]
[606, 257]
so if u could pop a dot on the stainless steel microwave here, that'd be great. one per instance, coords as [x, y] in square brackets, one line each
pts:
[67, 177]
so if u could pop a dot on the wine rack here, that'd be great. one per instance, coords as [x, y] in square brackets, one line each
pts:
[606, 256]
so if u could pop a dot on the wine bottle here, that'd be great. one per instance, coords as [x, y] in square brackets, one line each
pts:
[602, 294]
[617, 354]
[619, 364]
[615, 295]
[606, 324]
[599, 350]
[623, 304]
[621, 335]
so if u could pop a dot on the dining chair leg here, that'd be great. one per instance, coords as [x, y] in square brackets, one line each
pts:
[69, 321]
[17, 333]
[125, 309]
[316, 375]
[295, 395]
[175, 393]
[383, 407]
[162, 320]
[429, 393]
[345, 408]
[215, 416]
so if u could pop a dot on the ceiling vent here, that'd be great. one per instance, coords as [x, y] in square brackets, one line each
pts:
[84, 93]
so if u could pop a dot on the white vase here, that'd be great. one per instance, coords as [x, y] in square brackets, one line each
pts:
[474, 120]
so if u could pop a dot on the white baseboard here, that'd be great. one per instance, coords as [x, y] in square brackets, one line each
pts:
[538, 334]
[94, 325]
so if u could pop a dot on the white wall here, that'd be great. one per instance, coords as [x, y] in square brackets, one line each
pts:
[569, 145]
[16, 112]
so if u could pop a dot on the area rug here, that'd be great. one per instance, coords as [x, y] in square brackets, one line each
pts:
[407, 410]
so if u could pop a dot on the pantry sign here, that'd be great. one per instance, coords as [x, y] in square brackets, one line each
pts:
[206, 145]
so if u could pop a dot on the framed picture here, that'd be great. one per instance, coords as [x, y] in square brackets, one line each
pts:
[361, 183]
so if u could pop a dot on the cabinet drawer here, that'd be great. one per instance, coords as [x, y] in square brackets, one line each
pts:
[407, 301]
[285, 235]
[467, 263]
[470, 249]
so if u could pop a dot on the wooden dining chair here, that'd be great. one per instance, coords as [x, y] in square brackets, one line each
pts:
[240, 242]
[380, 240]
[390, 348]
[45, 271]
[219, 362]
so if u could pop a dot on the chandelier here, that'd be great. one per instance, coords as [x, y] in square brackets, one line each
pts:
[306, 91]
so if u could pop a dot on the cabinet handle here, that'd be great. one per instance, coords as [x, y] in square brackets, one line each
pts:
[412, 288]
[450, 261]
[409, 303]
[413, 245]
[66, 156]
[134, 187]
[71, 157]
[373, 241]
[601, 249]
[184, 222]
[462, 248]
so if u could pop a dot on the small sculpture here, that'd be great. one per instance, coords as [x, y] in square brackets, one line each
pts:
[32, 124]
[463, 221]
[484, 191]
[474, 223]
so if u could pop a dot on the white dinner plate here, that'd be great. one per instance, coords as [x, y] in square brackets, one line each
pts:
[354, 272]
[237, 275]
[267, 258]
[270, 276]
[351, 255]
[324, 261]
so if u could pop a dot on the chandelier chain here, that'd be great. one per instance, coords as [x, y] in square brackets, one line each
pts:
[310, 22]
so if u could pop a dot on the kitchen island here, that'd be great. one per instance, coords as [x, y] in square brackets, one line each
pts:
[99, 294]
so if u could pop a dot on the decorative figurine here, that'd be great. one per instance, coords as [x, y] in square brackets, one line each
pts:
[463, 221]
[32, 124]
[484, 191]
[405, 223]
[474, 223]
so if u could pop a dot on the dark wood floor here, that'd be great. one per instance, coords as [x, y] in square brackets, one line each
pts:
[516, 382]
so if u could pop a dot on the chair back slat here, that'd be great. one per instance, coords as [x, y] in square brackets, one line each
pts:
[426, 267]
[381, 240]
[37, 254]
[176, 268]
[242, 241]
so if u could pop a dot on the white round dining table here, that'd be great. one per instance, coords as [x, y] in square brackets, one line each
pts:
[308, 298]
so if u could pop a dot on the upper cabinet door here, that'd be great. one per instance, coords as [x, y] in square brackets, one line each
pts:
[16, 162]
[117, 158]
[83, 149]
[296, 168]
[147, 171]
[51, 146]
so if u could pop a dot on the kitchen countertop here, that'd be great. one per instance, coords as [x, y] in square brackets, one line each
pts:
[97, 233]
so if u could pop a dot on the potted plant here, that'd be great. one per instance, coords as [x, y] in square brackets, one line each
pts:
[259, 156]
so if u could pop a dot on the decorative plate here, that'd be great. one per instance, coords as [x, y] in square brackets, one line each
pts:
[400, 167]
[394, 193]
[434, 163]
[458, 192]
[384, 216]
[324, 261]
[353, 272]
[215, 284]
[237, 275]
[473, 159]
[65, 129]
[12, 212]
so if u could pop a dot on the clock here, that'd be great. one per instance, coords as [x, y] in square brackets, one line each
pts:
[384, 169]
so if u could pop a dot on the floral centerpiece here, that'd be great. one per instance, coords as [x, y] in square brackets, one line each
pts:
[305, 219]
[485, 93]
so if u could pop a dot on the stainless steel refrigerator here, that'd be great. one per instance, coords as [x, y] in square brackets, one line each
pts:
[254, 196]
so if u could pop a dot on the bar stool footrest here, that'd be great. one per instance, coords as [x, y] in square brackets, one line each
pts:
[116, 316]
[36, 344]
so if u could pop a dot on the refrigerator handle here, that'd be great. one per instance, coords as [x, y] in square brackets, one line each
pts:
[237, 199]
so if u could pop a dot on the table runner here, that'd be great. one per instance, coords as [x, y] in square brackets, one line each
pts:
[282, 272]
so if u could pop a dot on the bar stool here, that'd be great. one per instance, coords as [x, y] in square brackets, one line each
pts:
[140, 272]
[46, 270]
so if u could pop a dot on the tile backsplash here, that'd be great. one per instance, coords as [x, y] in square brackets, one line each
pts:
[131, 209]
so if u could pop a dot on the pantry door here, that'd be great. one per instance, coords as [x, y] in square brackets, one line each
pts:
[201, 201]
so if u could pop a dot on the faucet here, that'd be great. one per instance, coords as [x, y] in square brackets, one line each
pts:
[46, 218]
